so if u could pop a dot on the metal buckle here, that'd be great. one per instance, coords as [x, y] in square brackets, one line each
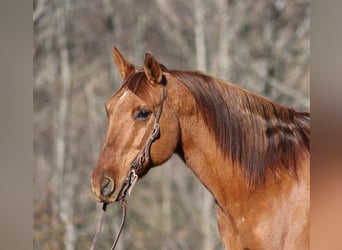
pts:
[132, 180]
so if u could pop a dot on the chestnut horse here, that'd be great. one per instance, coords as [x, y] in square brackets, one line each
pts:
[252, 154]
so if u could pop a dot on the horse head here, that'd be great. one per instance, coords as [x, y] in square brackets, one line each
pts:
[137, 107]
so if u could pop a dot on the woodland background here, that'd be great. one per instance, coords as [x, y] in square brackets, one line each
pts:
[263, 46]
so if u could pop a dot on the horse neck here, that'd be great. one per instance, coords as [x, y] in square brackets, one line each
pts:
[200, 152]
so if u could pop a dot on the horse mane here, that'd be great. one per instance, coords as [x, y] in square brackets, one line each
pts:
[252, 131]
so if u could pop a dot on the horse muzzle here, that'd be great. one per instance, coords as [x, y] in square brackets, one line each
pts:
[103, 188]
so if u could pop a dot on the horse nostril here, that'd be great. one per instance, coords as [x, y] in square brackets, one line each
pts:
[107, 187]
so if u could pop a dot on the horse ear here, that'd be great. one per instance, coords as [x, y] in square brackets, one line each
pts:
[124, 66]
[152, 69]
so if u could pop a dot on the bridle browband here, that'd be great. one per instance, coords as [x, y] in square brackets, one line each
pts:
[142, 157]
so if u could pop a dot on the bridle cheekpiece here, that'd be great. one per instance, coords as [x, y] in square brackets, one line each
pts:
[144, 155]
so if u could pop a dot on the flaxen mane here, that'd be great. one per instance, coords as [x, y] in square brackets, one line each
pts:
[253, 132]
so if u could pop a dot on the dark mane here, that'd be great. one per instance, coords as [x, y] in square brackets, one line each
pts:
[250, 130]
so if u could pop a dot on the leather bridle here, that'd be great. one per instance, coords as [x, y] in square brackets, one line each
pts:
[142, 157]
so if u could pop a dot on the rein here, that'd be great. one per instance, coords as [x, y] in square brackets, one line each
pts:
[99, 225]
[132, 177]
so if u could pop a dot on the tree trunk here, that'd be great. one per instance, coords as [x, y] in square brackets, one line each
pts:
[225, 38]
[64, 187]
[166, 205]
[110, 39]
[199, 35]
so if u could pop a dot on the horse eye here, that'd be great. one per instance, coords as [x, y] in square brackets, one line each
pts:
[142, 114]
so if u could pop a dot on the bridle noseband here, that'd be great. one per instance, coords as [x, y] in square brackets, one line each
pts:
[142, 157]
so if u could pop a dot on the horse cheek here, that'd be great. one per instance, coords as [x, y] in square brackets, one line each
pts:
[164, 147]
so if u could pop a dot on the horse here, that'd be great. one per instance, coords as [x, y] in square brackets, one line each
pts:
[252, 154]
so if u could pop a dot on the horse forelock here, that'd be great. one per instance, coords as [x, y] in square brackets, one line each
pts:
[252, 131]
[137, 83]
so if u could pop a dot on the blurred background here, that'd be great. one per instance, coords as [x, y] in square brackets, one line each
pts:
[262, 46]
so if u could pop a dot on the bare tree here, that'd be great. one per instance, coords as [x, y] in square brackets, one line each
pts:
[64, 187]
[263, 46]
